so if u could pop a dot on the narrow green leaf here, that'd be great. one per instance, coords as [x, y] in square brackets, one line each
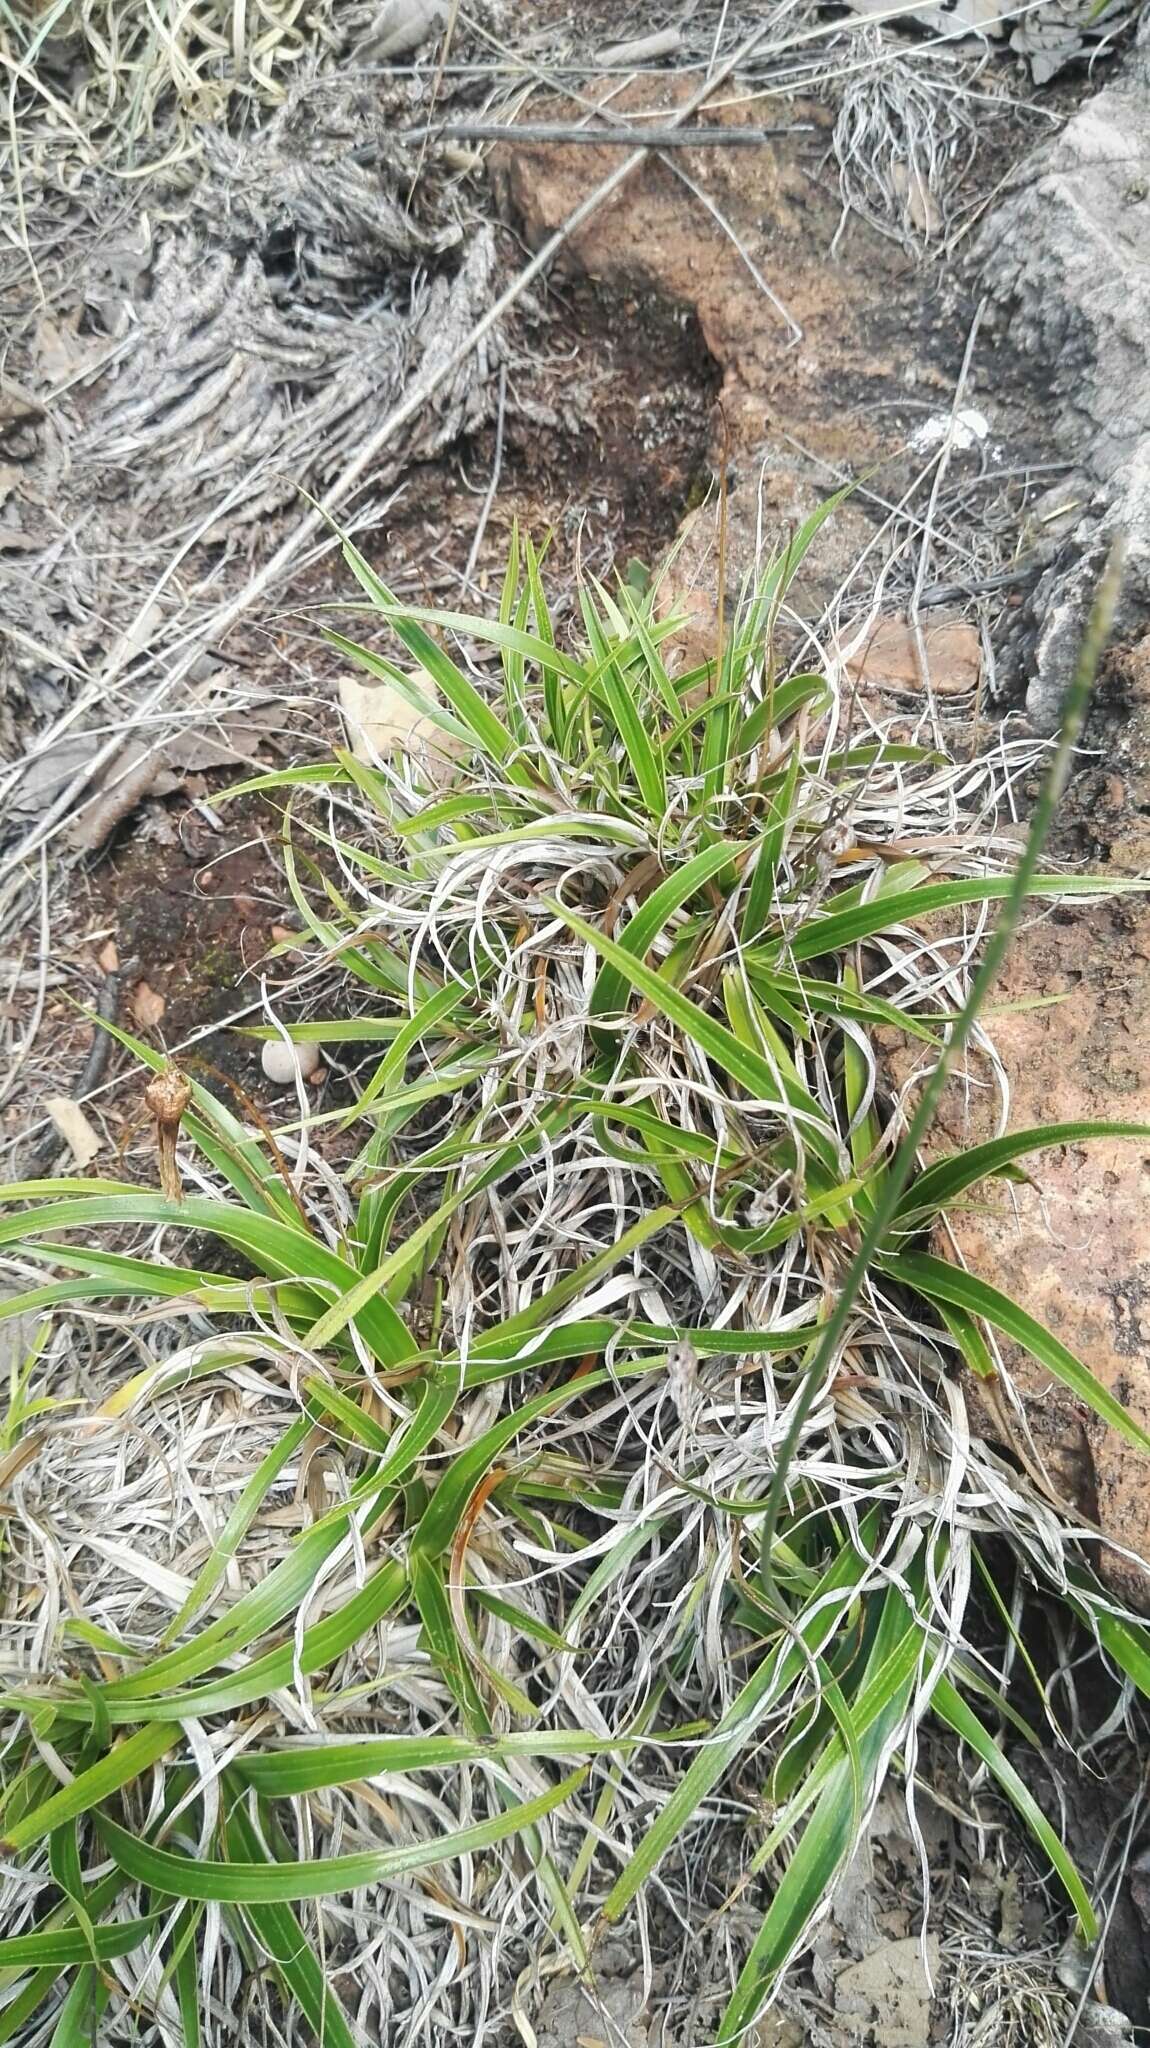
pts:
[829, 1835]
[833, 930]
[282, 1590]
[742, 1063]
[123, 1763]
[20, 2009]
[321, 1645]
[237, 1525]
[611, 989]
[938, 1186]
[423, 702]
[951, 1708]
[938, 1281]
[842, 999]
[308, 1767]
[1017, 887]
[758, 909]
[972, 1344]
[80, 2015]
[470, 626]
[283, 1941]
[256, 1884]
[769, 1683]
[1128, 1644]
[756, 1031]
[643, 748]
[447, 676]
[332, 1030]
[442, 1515]
[59, 1948]
[786, 699]
[438, 1637]
[580, 1278]
[276, 1246]
[185, 1976]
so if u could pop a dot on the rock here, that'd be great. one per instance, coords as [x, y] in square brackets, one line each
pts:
[1065, 260]
[889, 1989]
[888, 657]
[782, 496]
[1074, 1248]
[952, 17]
[1103, 2026]
[281, 1063]
[1049, 37]
[610, 2013]
[787, 494]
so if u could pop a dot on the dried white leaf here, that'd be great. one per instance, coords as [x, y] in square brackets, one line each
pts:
[383, 723]
[171, 1586]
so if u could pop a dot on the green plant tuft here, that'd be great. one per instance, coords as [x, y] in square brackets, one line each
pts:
[592, 1400]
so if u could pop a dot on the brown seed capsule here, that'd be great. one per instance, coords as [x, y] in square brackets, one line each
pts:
[167, 1096]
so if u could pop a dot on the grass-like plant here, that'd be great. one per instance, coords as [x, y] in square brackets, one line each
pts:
[596, 1446]
[130, 68]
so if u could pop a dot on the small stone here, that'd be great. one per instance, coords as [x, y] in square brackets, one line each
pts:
[886, 656]
[281, 1063]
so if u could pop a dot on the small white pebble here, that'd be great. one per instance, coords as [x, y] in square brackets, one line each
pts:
[281, 1063]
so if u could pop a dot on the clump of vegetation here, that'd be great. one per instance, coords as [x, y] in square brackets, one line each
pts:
[585, 1455]
[107, 71]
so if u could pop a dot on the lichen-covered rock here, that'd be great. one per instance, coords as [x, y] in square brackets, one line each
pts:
[1066, 261]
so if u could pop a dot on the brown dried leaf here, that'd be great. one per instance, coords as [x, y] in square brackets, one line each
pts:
[148, 1006]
